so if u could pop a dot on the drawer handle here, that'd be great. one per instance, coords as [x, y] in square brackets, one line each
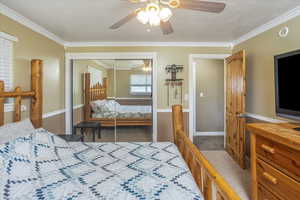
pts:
[268, 149]
[270, 178]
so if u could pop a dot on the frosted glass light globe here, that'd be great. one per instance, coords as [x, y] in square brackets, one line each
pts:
[165, 14]
[154, 20]
[143, 17]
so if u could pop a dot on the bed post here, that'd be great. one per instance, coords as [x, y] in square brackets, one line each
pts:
[36, 114]
[105, 85]
[87, 94]
[177, 121]
[1, 104]
[17, 106]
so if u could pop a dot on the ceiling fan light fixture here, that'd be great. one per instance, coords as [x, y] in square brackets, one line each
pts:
[154, 20]
[165, 14]
[174, 3]
[153, 8]
[143, 17]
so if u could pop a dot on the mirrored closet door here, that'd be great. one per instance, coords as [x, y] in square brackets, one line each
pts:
[133, 79]
[93, 97]
[112, 100]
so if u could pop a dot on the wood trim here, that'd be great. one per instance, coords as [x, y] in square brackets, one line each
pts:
[36, 113]
[87, 107]
[253, 168]
[177, 118]
[36, 95]
[195, 160]
[16, 94]
[18, 104]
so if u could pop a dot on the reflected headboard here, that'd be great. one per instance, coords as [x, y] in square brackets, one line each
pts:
[35, 94]
[93, 92]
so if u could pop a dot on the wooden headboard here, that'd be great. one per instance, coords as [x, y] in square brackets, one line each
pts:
[36, 95]
[92, 93]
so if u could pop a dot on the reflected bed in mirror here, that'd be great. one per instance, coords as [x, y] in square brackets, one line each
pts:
[118, 95]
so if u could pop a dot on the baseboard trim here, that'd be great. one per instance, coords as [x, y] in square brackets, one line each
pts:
[214, 133]
[263, 118]
[54, 113]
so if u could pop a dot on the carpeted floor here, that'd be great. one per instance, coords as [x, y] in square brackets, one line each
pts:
[123, 134]
[213, 149]
[239, 179]
[208, 143]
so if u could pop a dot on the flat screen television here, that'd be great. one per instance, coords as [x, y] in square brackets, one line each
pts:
[287, 85]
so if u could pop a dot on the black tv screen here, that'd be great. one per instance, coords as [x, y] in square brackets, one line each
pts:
[287, 81]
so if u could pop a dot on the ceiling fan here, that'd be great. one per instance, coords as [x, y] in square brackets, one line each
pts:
[159, 12]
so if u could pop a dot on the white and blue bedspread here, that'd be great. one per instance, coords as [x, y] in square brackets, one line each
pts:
[43, 166]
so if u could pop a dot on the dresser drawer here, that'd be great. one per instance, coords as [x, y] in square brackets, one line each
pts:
[264, 194]
[277, 182]
[282, 157]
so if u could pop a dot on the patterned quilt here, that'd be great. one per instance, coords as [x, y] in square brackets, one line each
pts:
[43, 166]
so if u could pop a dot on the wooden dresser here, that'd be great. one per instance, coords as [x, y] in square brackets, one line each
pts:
[275, 161]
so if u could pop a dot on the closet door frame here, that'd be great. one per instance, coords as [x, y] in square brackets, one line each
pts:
[108, 56]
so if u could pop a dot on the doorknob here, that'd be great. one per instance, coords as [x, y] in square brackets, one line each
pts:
[241, 115]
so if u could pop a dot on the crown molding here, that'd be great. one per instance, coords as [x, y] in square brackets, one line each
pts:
[150, 44]
[267, 26]
[98, 62]
[29, 24]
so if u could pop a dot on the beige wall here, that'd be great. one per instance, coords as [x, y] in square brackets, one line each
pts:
[210, 107]
[260, 51]
[166, 55]
[79, 68]
[32, 45]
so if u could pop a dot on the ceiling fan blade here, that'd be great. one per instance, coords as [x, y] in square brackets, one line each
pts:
[205, 6]
[124, 20]
[166, 27]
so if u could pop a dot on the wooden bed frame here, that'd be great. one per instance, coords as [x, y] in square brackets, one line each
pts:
[99, 92]
[36, 95]
[203, 172]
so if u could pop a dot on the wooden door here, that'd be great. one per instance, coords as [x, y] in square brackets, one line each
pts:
[235, 106]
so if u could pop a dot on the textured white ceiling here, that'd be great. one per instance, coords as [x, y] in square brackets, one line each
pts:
[88, 20]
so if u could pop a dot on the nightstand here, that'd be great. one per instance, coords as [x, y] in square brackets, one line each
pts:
[95, 126]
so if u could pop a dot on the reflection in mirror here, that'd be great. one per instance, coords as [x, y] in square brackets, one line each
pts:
[133, 88]
[91, 109]
[112, 100]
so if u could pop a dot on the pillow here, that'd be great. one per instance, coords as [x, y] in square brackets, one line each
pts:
[14, 130]
[113, 105]
[97, 105]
